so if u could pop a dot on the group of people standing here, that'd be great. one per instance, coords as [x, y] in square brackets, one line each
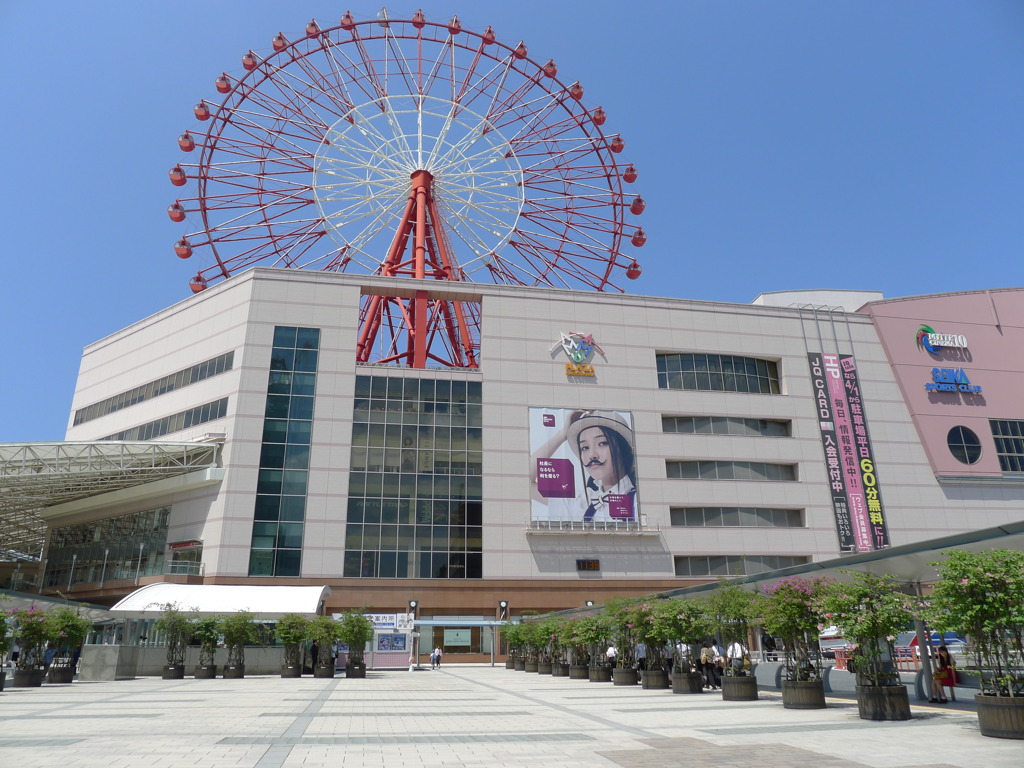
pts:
[710, 660]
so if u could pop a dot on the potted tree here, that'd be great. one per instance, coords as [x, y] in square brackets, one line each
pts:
[556, 647]
[512, 634]
[206, 631]
[291, 631]
[31, 632]
[621, 615]
[533, 644]
[324, 632]
[355, 631]
[572, 637]
[595, 630]
[871, 610]
[789, 609]
[177, 629]
[67, 631]
[685, 623]
[239, 629]
[652, 634]
[981, 595]
[730, 607]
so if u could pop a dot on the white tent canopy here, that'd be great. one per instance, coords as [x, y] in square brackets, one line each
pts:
[219, 599]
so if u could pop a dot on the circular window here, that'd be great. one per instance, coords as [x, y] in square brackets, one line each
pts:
[964, 445]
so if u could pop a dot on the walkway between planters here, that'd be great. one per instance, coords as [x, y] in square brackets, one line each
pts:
[464, 715]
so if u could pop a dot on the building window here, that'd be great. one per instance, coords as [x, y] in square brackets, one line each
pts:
[736, 517]
[121, 547]
[735, 565]
[280, 514]
[964, 445]
[730, 470]
[1009, 438]
[717, 373]
[193, 417]
[415, 506]
[725, 425]
[161, 386]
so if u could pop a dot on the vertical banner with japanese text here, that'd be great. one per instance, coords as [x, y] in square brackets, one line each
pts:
[877, 525]
[833, 461]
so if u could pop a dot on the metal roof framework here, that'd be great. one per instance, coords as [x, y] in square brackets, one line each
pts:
[34, 476]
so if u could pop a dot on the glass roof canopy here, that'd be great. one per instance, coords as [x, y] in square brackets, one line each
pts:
[34, 476]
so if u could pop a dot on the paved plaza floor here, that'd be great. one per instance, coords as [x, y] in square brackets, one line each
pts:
[464, 715]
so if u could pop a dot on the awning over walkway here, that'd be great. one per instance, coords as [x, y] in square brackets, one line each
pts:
[220, 599]
[34, 476]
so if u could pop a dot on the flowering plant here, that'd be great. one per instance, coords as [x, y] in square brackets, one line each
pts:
[572, 635]
[31, 632]
[67, 631]
[870, 610]
[684, 624]
[789, 609]
[623, 615]
[590, 635]
[981, 594]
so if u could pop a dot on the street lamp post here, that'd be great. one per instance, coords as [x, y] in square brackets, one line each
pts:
[502, 615]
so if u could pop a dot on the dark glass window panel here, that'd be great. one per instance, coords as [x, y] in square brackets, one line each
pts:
[301, 408]
[387, 565]
[282, 359]
[353, 561]
[269, 481]
[474, 392]
[389, 537]
[272, 456]
[964, 445]
[474, 538]
[299, 432]
[277, 406]
[275, 431]
[280, 383]
[474, 513]
[303, 384]
[267, 508]
[261, 562]
[294, 482]
[371, 510]
[353, 536]
[305, 360]
[308, 338]
[371, 536]
[362, 389]
[284, 336]
[356, 483]
[389, 511]
[289, 536]
[288, 562]
[297, 457]
[355, 510]
[378, 387]
[406, 541]
[293, 508]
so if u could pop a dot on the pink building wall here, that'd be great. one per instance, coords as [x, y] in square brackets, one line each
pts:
[993, 324]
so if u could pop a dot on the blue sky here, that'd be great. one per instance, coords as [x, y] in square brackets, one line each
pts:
[786, 144]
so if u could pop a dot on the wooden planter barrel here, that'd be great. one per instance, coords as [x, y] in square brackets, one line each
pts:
[883, 702]
[655, 679]
[170, 672]
[520, 665]
[28, 678]
[579, 672]
[234, 671]
[560, 670]
[600, 675]
[739, 688]
[1000, 717]
[510, 663]
[622, 676]
[531, 666]
[205, 672]
[803, 694]
[687, 682]
[543, 668]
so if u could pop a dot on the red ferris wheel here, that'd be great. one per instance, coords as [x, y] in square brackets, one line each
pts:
[407, 148]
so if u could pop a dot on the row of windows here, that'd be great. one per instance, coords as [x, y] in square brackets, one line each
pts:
[736, 517]
[1009, 439]
[418, 462]
[717, 373]
[734, 565]
[725, 425]
[406, 538]
[414, 565]
[193, 417]
[423, 390]
[183, 378]
[417, 438]
[730, 470]
[438, 486]
[420, 511]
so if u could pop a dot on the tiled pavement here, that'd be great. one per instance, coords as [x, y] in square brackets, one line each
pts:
[463, 716]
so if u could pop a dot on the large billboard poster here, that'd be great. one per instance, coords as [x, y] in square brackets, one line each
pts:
[856, 497]
[583, 465]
